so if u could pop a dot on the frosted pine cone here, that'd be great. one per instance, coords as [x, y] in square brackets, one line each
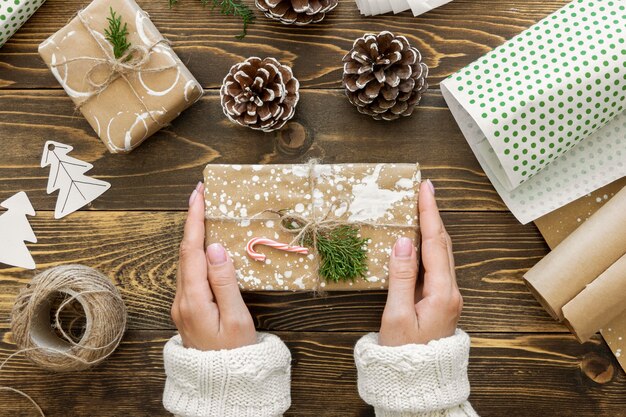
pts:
[261, 94]
[298, 12]
[384, 76]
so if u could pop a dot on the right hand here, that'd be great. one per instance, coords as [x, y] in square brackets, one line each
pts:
[208, 309]
[418, 313]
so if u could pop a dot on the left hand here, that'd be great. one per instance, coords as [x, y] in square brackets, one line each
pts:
[208, 309]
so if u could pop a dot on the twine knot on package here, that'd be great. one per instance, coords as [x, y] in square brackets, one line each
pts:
[56, 349]
[134, 60]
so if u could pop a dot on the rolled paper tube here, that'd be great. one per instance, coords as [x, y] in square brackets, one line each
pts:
[599, 303]
[581, 257]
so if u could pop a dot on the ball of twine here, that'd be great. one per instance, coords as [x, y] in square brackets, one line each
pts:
[104, 318]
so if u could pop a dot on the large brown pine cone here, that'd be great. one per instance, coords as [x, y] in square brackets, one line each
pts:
[260, 93]
[298, 12]
[384, 76]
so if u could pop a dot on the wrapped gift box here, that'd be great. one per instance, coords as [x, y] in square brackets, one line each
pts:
[380, 198]
[136, 103]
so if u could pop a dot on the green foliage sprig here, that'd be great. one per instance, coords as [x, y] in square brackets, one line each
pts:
[116, 34]
[229, 8]
[342, 253]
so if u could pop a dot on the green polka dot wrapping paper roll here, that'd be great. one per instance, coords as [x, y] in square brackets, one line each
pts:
[545, 112]
[13, 14]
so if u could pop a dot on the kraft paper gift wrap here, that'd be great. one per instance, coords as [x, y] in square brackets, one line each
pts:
[381, 198]
[544, 112]
[583, 280]
[135, 105]
[13, 14]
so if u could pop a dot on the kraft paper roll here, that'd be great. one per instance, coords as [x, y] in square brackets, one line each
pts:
[581, 258]
[599, 303]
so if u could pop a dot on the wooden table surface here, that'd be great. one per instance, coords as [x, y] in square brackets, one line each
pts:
[522, 363]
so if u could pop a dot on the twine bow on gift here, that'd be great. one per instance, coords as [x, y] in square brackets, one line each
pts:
[133, 61]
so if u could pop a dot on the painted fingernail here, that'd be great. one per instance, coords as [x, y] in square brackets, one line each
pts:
[403, 248]
[192, 197]
[216, 253]
[431, 186]
[195, 192]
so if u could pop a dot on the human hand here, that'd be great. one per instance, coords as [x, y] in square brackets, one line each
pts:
[418, 313]
[208, 309]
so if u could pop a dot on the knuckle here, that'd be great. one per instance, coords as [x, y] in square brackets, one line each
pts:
[438, 241]
[403, 270]
[222, 276]
[175, 313]
[185, 249]
[221, 280]
[238, 322]
[185, 310]
[455, 302]
[396, 318]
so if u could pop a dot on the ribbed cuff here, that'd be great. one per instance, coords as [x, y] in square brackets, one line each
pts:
[406, 380]
[463, 410]
[250, 381]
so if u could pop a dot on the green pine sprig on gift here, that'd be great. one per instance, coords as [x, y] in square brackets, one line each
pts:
[343, 254]
[117, 34]
[229, 8]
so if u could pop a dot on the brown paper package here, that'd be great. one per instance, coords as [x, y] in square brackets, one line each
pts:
[381, 198]
[120, 118]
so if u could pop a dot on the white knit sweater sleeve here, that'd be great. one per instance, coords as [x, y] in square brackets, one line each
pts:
[415, 380]
[250, 381]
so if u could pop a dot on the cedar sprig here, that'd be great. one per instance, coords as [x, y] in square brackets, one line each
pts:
[116, 34]
[342, 253]
[229, 8]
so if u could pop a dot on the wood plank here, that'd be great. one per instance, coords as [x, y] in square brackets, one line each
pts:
[449, 38]
[139, 251]
[160, 174]
[511, 374]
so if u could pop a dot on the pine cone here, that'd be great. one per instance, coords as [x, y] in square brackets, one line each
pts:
[384, 76]
[299, 12]
[261, 94]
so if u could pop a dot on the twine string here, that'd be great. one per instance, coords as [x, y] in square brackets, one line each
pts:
[131, 62]
[103, 309]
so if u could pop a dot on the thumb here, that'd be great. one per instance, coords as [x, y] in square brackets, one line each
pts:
[223, 281]
[402, 274]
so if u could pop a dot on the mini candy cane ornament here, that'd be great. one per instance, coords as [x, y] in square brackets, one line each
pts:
[273, 244]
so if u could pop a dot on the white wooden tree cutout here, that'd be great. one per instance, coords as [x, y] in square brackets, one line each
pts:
[15, 230]
[76, 190]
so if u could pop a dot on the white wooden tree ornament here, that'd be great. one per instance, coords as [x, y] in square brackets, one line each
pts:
[76, 190]
[15, 230]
